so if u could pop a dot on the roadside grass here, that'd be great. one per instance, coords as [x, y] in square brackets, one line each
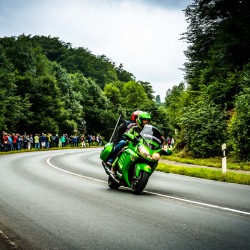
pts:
[215, 162]
[205, 173]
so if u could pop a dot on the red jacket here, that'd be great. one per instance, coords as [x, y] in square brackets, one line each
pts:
[5, 139]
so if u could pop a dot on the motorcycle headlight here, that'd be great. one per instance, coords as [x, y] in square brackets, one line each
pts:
[156, 156]
[143, 151]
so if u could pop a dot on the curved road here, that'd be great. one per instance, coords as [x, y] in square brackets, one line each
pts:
[60, 200]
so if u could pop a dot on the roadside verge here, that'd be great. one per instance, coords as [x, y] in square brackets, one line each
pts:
[205, 172]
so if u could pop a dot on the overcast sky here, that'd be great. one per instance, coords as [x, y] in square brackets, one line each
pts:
[143, 35]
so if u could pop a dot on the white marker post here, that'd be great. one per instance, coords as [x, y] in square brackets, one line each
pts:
[224, 159]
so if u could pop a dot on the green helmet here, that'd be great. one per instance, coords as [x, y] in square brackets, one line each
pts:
[143, 116]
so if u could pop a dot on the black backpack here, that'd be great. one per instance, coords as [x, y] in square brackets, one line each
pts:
[118, 135]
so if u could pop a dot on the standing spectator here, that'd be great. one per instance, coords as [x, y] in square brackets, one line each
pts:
[66, 139]
[97, 139]
[46, 143]
[31, 141]
[60, 143]
[78, 140]
[43, 141]
[15, 139]
[162, 141]
[10, 145]
[28, 142]
[6, 142]
[56, 140]
[24, 141]
[71, 140]
[74, 141]
[36, 139]
[63, 140]
[172, 142]
[168, 142]
[89, 139]
[48, 140]
[100, 140]
[19, 142]
[83, 141]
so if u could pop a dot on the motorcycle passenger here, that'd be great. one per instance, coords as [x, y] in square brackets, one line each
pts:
[118, 139]
[143, 119]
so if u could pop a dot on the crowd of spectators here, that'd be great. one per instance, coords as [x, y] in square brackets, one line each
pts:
[168, 142]
[15, 141]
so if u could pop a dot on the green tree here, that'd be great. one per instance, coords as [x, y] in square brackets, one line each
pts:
[176, 100]
[47, 104]
[158, 100]
[113, 93]
[134, 95]
[148, 89]
[123, 75]
[203, 128]
[239, 126]
[51, 46]
[52, 87]
[13, 107]
[218, 35]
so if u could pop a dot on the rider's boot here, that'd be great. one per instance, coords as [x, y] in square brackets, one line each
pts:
[109, 165]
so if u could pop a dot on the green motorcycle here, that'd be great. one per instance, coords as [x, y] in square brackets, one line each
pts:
[136, 161]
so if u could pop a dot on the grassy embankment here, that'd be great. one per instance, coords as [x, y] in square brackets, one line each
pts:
[214, 173]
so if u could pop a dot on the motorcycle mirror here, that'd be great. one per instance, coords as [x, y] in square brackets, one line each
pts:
[166, 152]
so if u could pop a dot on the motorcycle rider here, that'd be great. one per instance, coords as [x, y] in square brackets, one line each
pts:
[143, 118]
[119, 140]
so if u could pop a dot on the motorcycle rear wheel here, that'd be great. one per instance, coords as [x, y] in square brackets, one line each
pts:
[140, 183]
[112, 184]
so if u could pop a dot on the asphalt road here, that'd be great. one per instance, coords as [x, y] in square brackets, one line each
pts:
[61, 200]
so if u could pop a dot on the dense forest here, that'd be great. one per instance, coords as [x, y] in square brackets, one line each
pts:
[47, 85]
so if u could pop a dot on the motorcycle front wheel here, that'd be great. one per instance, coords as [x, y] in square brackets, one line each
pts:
[112, 184]
[140, 183]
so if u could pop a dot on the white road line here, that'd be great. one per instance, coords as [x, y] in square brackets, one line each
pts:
[199, 203]
[157, 194]
[9, 244]
[71, 173]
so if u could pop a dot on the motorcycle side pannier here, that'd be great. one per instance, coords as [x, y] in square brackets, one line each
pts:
[106, 151]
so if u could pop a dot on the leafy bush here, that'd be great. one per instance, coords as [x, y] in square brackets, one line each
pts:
[239, 126]
[203, 129]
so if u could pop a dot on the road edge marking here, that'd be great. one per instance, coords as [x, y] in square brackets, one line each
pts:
[71, 173]
[157, 194]
[7, 241]
[199, 203]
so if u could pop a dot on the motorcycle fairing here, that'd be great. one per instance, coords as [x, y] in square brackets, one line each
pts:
[125, 161]
[144, 167]
[106, 151]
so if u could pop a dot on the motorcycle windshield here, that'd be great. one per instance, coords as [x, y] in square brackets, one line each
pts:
[151, 133]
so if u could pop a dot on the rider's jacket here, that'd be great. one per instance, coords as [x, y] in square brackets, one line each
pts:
[135, 130]
[118, 135]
